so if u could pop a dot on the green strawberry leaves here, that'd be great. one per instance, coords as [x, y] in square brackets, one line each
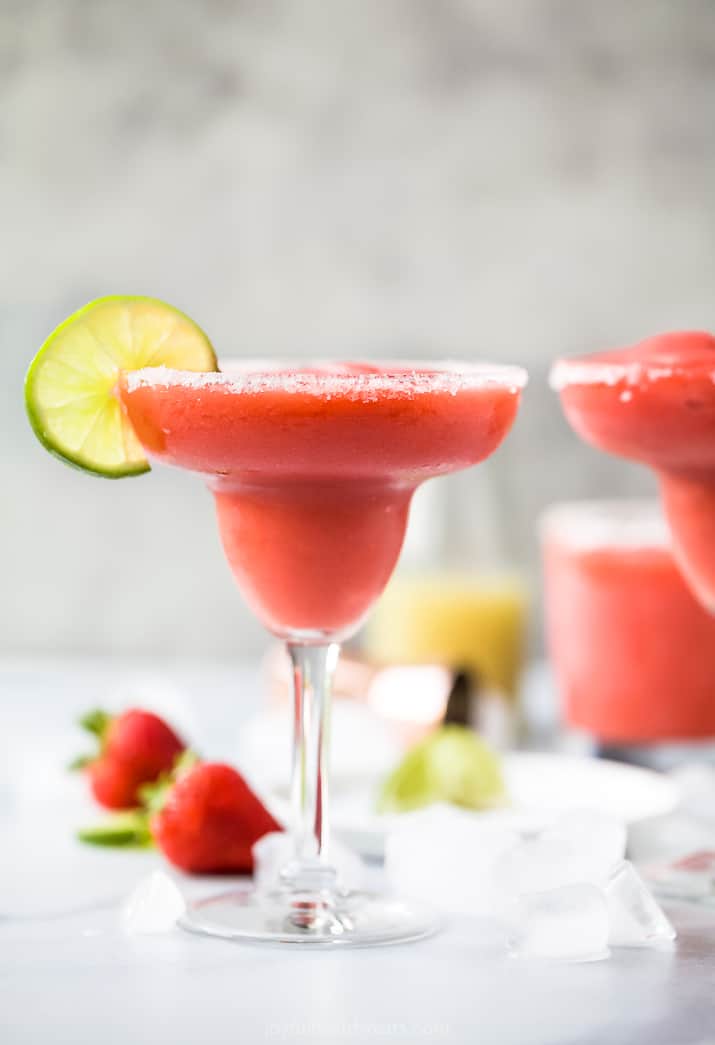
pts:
[95, 722]
[125, 830]
[154, 795]
[131, 829]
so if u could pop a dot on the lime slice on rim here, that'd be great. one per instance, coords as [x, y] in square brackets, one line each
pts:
[70, 388]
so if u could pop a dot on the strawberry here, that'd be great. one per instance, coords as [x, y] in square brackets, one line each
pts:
[135, 748]
[208, 820]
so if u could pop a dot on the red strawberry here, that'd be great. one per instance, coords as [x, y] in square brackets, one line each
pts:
[209, 821]
[135, 748]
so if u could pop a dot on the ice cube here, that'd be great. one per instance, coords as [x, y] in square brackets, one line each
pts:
[580, 846]
[599, 838]
[568, 924]
[154, 906]
[635, 918]
[535, 864]
[447, 856]
[274, 851]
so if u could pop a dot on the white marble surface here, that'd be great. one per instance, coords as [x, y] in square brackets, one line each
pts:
[68, 974]
[78, 980]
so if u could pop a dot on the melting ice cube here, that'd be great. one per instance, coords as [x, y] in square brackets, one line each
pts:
[636, 920]
[153, 906]
[537, 864]
[446, 857]
[599, 838]
[568, 924]
[578, 847]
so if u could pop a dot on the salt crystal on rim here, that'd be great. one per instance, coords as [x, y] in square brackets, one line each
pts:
[581, 371]
[326, 383]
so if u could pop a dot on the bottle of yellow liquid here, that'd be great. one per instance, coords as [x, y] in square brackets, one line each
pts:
[475, 623]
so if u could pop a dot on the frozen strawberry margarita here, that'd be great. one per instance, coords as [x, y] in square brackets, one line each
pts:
[655, 403]
[313, 469]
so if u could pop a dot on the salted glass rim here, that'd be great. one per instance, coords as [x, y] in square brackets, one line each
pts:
[597, 369]
[315, 374]
[588, 524]
[580, 370]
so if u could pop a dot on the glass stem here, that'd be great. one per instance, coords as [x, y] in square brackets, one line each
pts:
[313, 669]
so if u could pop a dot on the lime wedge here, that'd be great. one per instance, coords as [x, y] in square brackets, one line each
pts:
[70, 388]
[452, 765]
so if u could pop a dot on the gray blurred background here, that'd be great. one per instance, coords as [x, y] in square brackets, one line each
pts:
[347, 177]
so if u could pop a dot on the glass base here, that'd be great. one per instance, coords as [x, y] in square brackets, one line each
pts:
[357, 919]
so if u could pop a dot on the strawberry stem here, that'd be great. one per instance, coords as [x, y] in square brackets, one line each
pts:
[81, 762]
[154, 794]
[96, 722]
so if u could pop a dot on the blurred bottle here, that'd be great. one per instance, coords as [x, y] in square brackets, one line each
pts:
[473, 623]
[442, 608]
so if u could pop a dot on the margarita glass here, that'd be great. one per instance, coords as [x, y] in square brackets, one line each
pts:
[655, 403]
[312, 469]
